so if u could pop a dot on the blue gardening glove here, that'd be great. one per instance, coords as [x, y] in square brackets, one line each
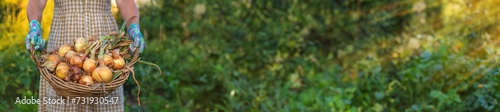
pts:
[34, 36]
[135, 34]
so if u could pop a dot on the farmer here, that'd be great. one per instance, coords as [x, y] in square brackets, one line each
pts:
[80, 18]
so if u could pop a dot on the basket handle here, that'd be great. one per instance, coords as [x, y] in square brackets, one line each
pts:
[34, 57]
[129, 67]
[134, 59]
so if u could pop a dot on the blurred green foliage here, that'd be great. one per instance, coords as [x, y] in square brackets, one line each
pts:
[291, 55]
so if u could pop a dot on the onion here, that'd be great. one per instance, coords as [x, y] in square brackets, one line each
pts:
[118, 63]
[115, 53]
[62, 70]
[80, 44]
[77, 61]
[53, 57]
[64, 49]
[89, 65]
[107, 59]
[102, 73]
[76, 73]
[69, 55]
[52, 62]
[50, 65]
[86, 80]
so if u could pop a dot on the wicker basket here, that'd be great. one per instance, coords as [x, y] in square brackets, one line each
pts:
[71, 89]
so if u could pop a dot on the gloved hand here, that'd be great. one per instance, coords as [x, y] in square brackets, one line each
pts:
[34, 36]
[135, 34]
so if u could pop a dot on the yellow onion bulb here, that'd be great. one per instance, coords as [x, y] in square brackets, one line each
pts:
[63, 50]
[62, 70]
[118, 63]
[77, 61]
[89, 65]
[107, 59]
[50, 65]
[102, 74]
[86, 80]
[53, 58]
[69, 55]
[52, 61]
[80, 44]
[115, 53]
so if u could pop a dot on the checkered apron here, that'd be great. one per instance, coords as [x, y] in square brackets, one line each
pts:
[72, 19]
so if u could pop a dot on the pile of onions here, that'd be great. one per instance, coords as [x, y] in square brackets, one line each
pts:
[88, 60]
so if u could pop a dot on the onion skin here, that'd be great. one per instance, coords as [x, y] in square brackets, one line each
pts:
[50, 65]
[53, 57]
[52, 62]
[64, 49]
[86, 80]
[76, 73]
[89, 65]
[115, 53]
[102, 73]
[118, 63]
[69, 55]
[62, 70]
[77, 61]
[107, 60]
[80, 44]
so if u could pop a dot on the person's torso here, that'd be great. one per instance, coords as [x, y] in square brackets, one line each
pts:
[80, 18]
